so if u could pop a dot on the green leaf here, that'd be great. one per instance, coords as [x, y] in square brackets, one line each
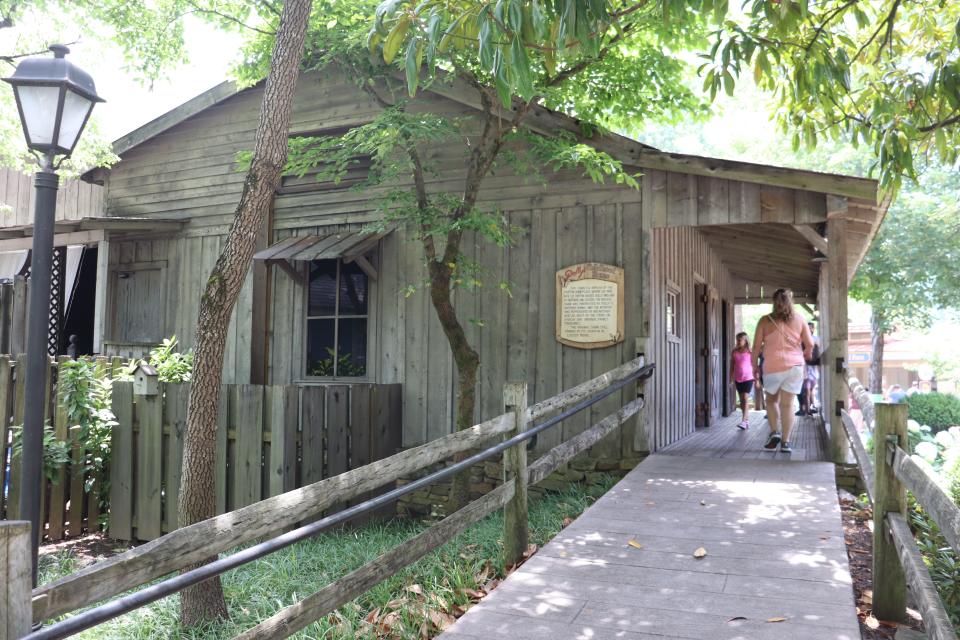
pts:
[392, 44]
[413, 60]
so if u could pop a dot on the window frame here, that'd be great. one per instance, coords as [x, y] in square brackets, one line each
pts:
[370, 317]
[672, 291]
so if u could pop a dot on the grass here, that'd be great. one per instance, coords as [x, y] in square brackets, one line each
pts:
[412, 604]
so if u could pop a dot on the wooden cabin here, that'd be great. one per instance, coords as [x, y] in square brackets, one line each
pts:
[327, 301]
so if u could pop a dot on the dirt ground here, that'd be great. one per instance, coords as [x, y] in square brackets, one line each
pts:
[858, 533]
[86, 549]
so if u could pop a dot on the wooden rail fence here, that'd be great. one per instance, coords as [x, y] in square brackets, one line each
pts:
[898, 566]
[270, 517]
[270, 439]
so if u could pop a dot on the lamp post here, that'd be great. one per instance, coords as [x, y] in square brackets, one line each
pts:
[54, 98]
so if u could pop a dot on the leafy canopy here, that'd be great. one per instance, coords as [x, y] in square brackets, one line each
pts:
[910, 270]
[606, 61]
[884, 73]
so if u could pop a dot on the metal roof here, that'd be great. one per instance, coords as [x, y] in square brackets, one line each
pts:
[346, 244]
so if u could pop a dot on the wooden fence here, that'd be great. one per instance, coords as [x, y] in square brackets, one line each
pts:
[269, 518]
[270, 439]
[68, 507]
[13, 315]
[898, 566]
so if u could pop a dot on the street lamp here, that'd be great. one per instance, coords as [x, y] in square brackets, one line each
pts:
[54, 98]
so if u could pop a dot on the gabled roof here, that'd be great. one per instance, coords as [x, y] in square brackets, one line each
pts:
[548, 122]
[175, 116]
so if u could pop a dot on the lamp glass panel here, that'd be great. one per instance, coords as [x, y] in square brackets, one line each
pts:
[76, 108]
[39, 105]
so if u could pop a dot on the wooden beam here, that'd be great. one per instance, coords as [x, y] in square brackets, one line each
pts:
[838, 320]
[102, 289]
[819, 242]
[260, 311]
[60, 240]
[889, 496]
[289, 269]
[15, 583]
[366, 267]
[836, 206]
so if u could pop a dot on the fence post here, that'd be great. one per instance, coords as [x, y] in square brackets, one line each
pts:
[16, 613]
[889, 582]
[515, 535]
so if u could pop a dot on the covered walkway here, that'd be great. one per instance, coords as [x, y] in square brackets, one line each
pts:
[775, 564]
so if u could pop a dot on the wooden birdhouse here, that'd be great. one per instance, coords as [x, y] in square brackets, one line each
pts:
[145, 381]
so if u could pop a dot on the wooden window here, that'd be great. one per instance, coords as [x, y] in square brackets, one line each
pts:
[338, 313]
[671, 311]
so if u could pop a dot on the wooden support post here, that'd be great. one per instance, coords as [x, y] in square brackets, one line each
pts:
[15, 590]
[515, 525]
[837, 293]
[889, 496]
[100, 295]
[641, 435]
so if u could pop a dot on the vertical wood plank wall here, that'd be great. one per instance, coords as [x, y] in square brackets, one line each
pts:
[189, 172]
[75, 199]
[678, 254]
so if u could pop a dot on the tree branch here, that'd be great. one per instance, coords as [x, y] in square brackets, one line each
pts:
[940, 125]
[229, 18]
[827, 20]
[13, 57]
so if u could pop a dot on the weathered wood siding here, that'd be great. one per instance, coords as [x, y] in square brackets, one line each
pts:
[140, 314]
[681, 257]
[189, 172]
[516, 341]
[75, 199]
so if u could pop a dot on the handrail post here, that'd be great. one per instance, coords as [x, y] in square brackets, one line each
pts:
[889, 581]
[16, 614]
[515, 525]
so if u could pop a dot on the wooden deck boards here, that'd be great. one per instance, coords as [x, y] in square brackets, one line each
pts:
[725, 440]
[775, 549]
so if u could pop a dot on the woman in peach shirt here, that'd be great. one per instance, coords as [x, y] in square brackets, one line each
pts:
[784, 339]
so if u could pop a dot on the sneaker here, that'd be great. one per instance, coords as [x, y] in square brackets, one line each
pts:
[744, 425]
[800, 413]
[785, 447]
[772, 441]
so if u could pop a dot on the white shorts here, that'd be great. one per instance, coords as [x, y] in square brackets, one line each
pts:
[790, 381]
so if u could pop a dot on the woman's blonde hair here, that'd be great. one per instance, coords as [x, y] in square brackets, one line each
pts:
[783, 305]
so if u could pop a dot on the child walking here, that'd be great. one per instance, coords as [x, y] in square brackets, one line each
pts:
[741, 375]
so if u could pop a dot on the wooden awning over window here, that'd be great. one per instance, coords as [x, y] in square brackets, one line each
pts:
[350, 246]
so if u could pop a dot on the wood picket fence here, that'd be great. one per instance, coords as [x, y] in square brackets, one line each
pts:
[270, 439]
[70, 503]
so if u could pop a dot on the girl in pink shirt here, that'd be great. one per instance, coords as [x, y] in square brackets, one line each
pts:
[741, 374]
[784, 339]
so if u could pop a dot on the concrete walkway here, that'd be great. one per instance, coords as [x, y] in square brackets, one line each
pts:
[775, 550]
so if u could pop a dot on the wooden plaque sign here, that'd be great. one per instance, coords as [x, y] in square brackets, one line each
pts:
[590, 305]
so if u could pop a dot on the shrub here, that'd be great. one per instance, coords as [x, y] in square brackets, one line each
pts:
[939, 411]
[172, 366]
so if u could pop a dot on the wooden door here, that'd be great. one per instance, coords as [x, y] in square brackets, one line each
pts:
[701, 356]
[714, 356]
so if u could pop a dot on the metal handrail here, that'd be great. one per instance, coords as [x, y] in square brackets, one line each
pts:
[92, 617]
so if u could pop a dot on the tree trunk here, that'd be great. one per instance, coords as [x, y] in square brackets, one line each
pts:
[467, 362]
[196, 501]
[876, 346]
